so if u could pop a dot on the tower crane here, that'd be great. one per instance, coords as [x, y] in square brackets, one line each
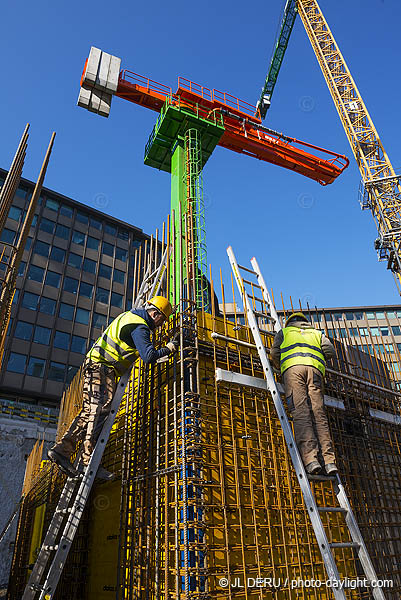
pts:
[380, 190]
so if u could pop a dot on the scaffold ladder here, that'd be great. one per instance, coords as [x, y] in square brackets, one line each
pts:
[326, 548]
[60, 535]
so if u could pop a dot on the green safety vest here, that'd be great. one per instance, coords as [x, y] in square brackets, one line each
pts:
[302, 347]
[114, 347]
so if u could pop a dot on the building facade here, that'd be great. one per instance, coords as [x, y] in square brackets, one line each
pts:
[74, 279]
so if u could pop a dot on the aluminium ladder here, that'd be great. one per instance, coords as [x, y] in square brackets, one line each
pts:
[60, 535]
[325, 546]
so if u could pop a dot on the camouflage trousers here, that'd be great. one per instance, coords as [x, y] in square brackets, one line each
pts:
[99, 385]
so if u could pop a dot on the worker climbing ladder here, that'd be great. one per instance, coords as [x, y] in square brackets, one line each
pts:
[55, 547]
[326, 548]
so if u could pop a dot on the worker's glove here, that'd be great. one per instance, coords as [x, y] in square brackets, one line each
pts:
[173, 346]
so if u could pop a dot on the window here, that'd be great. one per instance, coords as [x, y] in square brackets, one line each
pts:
[92, 243]
[71, 372]
[337, 316]
[66, 311]
[363, 331]
[20, 193]
[53, 279]
[41, 335]
[70, 285]
[358, 315]
[399, 347]
[30, 301]
[56, 371]
[66, 211]
[34, 220]
[389, 348]
[98, 320]
[61, 340]
[36, 367]
[89, 265]
[117, 300]
[57, 254]
[41, 248]
[107, 249]
[62, 232]
[104, 271]
[78, 344]
[86, 289]
[74, 260]
[78, 238]
[15, 213]
[47, 225]
[28, 243]
[102, 295]
[21, 268]
[82, 217]
[349, 316]
[396, 367]
[136, 244]
[82, 316]
[354, 331]
[121, 254]
[384, 331]
[396, 329]
[47, 306]
[36, 273]
[23, 330]
[123, 234]
[390, 315]
[110, 229]
[16, 362]
[118, 276]
[380, 315]
[7, 236]
[375, 330]
[95, 223]
[52, 204]
[15, 297]
[370, 315]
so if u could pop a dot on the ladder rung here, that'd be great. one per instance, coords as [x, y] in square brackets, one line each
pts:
[345, 545]
[252, 297]
[246, 269]
[331, 509]
[321, 477]
[260, 314]
[251, 283]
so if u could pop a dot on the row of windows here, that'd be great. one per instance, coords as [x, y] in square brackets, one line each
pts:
[364, 331]
[41, 335]
[35, 367]
[66, 311]
[381, 349]
[355, 315]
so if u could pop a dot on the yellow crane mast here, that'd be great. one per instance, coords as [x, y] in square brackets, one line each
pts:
[381, 191]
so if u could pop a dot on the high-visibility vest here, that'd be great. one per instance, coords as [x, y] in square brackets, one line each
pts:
[302, 347]
[112, 348]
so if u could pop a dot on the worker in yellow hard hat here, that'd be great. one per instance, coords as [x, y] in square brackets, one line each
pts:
[300, 352]
[115, 351]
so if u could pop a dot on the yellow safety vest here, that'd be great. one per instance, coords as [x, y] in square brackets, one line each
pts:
[302, 347]
[112, 348]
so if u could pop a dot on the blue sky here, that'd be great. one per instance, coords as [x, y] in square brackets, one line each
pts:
[319, 249]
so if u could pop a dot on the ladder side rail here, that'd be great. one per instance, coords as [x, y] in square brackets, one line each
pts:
[158, 279]
[266, 295]
[309, 499]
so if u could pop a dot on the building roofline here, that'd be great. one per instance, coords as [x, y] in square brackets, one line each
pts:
[373, 307]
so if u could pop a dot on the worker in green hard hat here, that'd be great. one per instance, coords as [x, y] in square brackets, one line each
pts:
[300, 352]
[115, 351]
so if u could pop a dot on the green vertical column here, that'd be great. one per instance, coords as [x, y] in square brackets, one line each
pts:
[178, 199]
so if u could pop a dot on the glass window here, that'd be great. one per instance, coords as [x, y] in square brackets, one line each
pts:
[70, 285]
[20, 193]
[30, 301]
[363, 331]
[78, 238]
[375, 331]
[23, 330]
[110, 229]
[74, 260]
[47, 306]
[389, 348]
[36, 273]
[16, 362]
[95, 223]
[358, 315]
[396, 367]
[57, 254]
[71, 372]
[98, 320]
[118, 276]
[7, 236]
[337, 316]
[349, 316]
[354, 331]
[52, 204]
[121, 254]
[399, 347]
[28, 243]
[102, 295]
[92, 243]
[62, 232]
[66, 311]
[53, 279]
[15, 297]
[117, 299]
[41, 248]
[61, 340]
[82, 316]
[104, 271]
[379, 315]
[41, 335]
[66, 211]
[390, 315]
[384, 330]
[56, 371]
[15, 213]
[136, 244]
[82, 217]
[34, 220]
[36, 367]
[396, 329]
[47, 225]
[21, 268]
[370, 315]
[89, 265]
[123, 234]
[10, 322]
[86, 289]
[78, 344]
[107, 249]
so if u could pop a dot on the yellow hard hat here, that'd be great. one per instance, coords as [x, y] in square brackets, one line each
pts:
[297, 316]
[162, 304]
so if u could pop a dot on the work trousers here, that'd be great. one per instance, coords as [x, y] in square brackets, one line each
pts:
[99, 385]
[304, 391]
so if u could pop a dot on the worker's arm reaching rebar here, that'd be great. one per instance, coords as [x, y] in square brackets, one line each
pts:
[142, 342]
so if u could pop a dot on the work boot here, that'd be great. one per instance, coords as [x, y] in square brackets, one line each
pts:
[62, 462]
[330, 468]
[313, 468]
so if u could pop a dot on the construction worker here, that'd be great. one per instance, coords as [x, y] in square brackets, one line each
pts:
[126, 338]
[300, 352]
